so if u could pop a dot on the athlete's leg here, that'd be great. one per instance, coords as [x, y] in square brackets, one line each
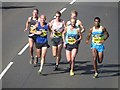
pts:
[100, 56]
[43, 55]
[54, 50]
[31, 44]
[73, 55]
[38, 54]
[94, 54]
[68, 56]
[59, 53]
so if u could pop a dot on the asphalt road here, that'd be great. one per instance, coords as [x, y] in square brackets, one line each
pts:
[23, 75]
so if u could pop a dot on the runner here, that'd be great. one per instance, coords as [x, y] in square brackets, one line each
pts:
[71, 43]
[57, 26]
[41, 40]
[98, 33]
[31, 38]
[74, 14]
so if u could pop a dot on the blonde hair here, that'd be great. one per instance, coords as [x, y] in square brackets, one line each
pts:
[74, 12]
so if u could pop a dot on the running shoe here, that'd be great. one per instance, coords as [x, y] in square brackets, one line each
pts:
[72, 73]
[95, 75]
[36, 60]
[40, 71]
[56, 67]
[31, 60]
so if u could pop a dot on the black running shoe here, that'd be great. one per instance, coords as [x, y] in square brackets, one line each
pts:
[56, 67]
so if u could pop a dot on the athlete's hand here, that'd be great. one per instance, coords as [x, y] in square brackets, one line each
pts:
[64, 45]
[25, 29]
[102, 41]
[39, 32]
[87, 41]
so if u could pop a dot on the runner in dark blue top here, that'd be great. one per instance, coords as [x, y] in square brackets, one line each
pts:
[41, 40]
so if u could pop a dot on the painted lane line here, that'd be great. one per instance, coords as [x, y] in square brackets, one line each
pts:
[72, 1]
[6, 69]
[26, 46]
[61, 11]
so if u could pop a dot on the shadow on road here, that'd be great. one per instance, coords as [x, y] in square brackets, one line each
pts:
[108, 70]
[16, 7]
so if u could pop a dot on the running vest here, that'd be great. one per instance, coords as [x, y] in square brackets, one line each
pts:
[32, 23]
[97, 35]
[58, 29]
[42, 38]
[71, 36]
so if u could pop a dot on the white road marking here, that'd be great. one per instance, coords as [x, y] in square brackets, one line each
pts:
[5, 70]
[26, 46]
[61, 11]
[72, 1]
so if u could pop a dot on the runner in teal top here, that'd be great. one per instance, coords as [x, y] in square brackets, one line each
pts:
[71, 42]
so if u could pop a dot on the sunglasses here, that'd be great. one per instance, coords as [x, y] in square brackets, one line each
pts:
[57, 16]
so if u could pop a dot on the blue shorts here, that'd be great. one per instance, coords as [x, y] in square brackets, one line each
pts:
[99, 48]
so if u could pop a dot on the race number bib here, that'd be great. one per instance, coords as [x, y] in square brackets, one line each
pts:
[71, 40]
[57, 34]
[44, 33]
[32, 29]
[98, 38]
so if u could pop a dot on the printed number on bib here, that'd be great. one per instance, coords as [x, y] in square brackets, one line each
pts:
[58, 34]
[98, 38]
[32, 30]
[44, 33]
[71, 40]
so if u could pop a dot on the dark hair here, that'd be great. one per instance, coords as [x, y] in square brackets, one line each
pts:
[36, 10]
[97, 18]
[58, 12]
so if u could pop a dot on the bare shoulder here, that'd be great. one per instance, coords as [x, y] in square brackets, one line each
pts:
[79, 21]
[68, 22]
[103, 28]
[51, 22]
[91, 29]
[29, 18]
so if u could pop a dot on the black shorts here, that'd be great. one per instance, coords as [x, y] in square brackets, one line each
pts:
[40, 45]
[56, 41]
[70, 47]
[33, 37]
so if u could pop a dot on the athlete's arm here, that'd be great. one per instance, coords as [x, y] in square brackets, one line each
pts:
[50, 27]
[63, 25]
[106, 33]
[81, 26]
[80, 34]
[27, 24]
[63, 34]
[89, 35]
